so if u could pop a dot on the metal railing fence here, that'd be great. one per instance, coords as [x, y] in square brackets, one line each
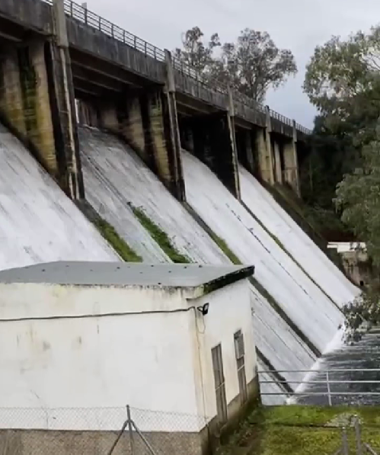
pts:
[84, 15]
[324, 379]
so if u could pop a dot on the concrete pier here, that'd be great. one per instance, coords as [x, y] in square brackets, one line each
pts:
[37, 102]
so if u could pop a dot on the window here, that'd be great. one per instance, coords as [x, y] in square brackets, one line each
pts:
[240, 364]
[220, 387]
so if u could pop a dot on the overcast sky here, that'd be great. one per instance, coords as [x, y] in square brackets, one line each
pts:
[298, 25]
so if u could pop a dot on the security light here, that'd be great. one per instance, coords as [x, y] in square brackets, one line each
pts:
[204, 309]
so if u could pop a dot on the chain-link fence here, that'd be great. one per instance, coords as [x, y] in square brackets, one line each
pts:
[99, 431]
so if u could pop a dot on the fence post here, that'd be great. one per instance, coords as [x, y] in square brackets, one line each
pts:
[345, 450]
[121, 432]
[359, 448]
[130, 429]
[84, 6]
[328, 388]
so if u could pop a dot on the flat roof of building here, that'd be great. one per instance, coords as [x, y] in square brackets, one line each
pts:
[126, 274]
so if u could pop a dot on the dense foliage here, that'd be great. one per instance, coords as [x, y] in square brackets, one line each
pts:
[343, 82]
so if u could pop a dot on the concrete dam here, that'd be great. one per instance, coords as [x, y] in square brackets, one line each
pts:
[173, 165]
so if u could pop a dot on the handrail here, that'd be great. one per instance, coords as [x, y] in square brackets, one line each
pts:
[87, 17]
[336, 370]
[327, 381]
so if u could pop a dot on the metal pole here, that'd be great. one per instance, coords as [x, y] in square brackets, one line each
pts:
[149, 447]
[345, 450]
[359, 448]
[118, 437]
[328, 388]
[84, 6]
[130, 430]
[370, 450]
[170, 82]
[60, 23]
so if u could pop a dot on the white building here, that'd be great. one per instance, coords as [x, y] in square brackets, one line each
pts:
[80, 340]
[355, 261]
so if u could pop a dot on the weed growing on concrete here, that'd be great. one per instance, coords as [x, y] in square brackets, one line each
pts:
[109, 233]
[119, 244]
[222, 244]
[159, 236]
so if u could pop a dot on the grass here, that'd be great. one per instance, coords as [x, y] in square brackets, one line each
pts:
[301, 430]
[222, 244]
[119, 244]
[160, 237]
[109, 233]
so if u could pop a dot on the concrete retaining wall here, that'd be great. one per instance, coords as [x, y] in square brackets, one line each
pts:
[47, 442]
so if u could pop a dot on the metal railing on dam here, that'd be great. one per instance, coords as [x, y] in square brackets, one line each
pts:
[87, 17]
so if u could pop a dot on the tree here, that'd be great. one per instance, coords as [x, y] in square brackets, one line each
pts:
[358, 196]
[328, 156]
[343, 82]
[252, 65]
[195, 53]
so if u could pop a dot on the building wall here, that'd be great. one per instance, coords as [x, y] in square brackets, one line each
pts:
[104, 360]
[355, 261]
[229, 311]
[357, 266]
[75, 358]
